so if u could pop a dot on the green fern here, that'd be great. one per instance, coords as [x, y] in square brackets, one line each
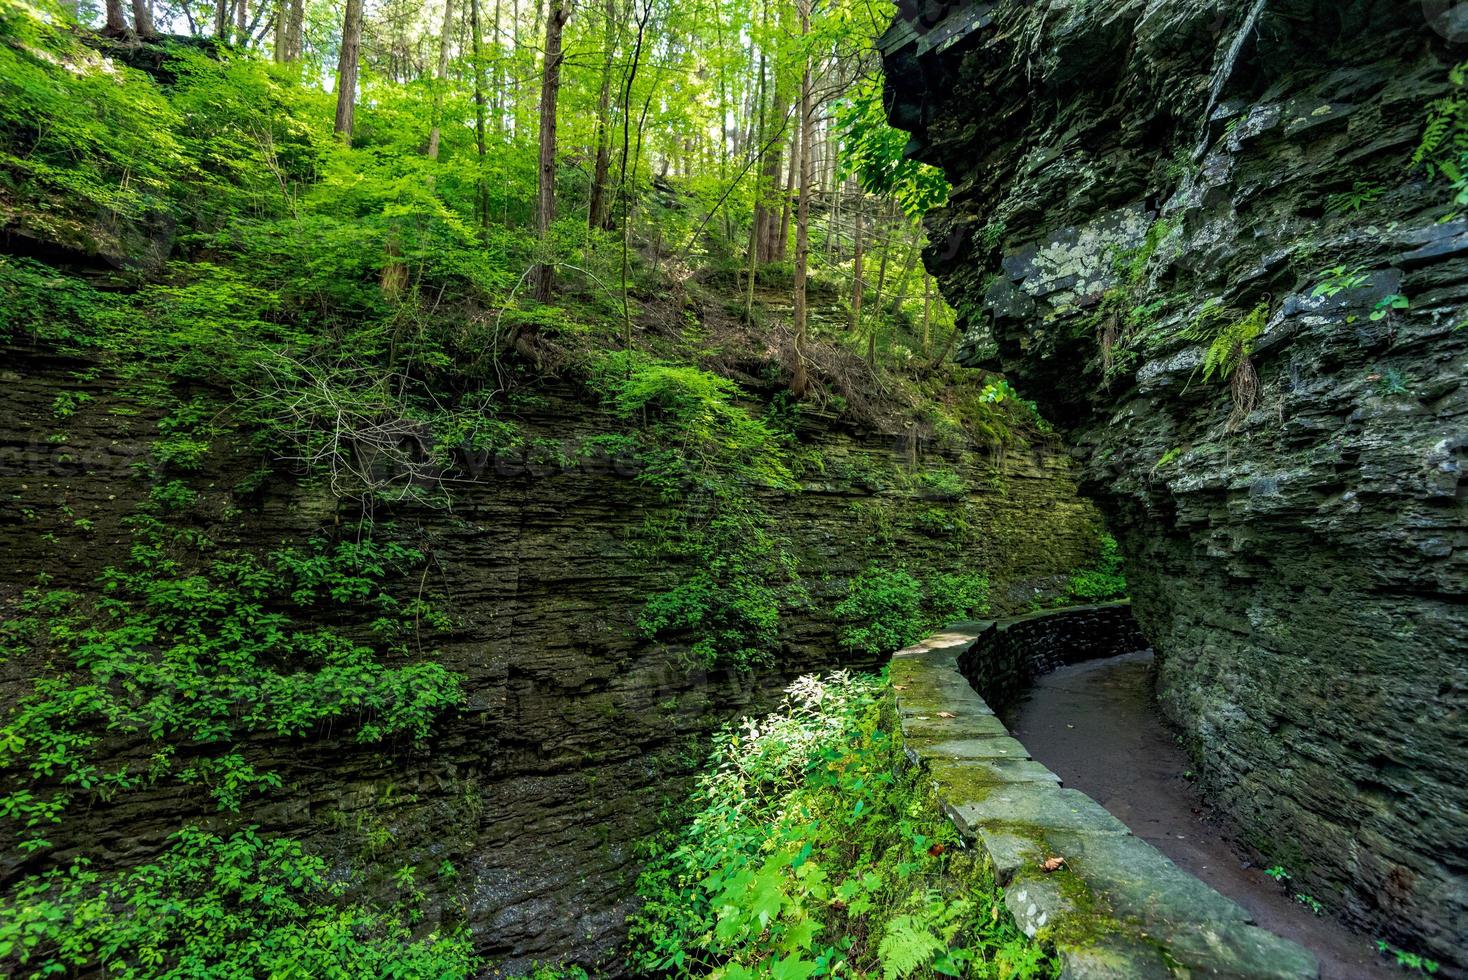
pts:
[1234, 343]
[907, 945]
[1444, 141]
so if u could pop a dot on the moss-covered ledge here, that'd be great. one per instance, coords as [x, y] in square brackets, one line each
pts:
[1116, 907]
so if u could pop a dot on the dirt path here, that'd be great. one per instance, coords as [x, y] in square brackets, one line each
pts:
[1094, 725]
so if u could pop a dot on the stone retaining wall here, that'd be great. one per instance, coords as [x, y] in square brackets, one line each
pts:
[1116, 907]
[1010, 653]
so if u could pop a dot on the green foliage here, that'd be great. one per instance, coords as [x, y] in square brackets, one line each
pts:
[81, 136]
[888, 609]
[700, 436]
[954, 596]
[882, 611]
[206, 656]
[1443, 149]
[1359, 196]
[1339, 279]
[872, 151]
[1234, 343]
[240, 906]
[704, 453]
[1105, 582]
[1406, 960]
[814, 851]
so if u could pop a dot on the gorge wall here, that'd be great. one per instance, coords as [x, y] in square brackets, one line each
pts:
[577, 736]
[1204, 237]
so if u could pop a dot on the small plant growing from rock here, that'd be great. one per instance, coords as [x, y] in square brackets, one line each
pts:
[1407, 960]
[1230, 356]
[1310, 903]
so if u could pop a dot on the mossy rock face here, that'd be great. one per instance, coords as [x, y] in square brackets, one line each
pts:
[1295, 542]
[576, 734]
[1111, 904]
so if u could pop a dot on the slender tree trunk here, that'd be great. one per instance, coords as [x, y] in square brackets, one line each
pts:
[116, 19]
[757, 135]
[886, 252]
[221, 18]
[598, 214]
[241, 19]
[782, 239]
[800, 381]
[858, 280]
[497, 86]
[481, 197]
[282, 30]
[907, 267]
[294, 29]
[346, 71]
[440, 77]
[143, 19]
[550, 88]
[927, 313]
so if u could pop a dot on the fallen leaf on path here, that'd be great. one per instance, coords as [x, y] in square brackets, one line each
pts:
[1053, 864]
[946, 714]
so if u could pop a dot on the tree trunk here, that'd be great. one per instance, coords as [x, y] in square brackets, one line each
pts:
[440, 76]
[294, 30]
[481, 195]
[782, 239]
[550, 88]
[143, 18]
[282, 28]
[116, 19]
[346, 71]
[800, 381]
[927, 313]
[598, 214]
[221, 18]
[858, 282]
[907, 266]
[241, 18]
[886, 252]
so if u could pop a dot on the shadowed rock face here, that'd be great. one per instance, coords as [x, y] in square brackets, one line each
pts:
[1298, 549]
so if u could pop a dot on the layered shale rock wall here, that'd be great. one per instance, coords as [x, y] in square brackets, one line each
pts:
[577, 734]
[1138, 183]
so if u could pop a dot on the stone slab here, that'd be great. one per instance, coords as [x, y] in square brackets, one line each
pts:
[1042, 807]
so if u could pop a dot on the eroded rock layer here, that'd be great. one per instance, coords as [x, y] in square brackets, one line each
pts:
[1207, 237]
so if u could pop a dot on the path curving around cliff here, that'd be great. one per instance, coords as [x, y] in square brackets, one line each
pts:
[1096, 726]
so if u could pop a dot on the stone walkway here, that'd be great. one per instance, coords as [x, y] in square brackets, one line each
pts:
[1116, 907]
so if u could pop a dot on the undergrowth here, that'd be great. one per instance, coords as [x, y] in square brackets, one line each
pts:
[816, 852]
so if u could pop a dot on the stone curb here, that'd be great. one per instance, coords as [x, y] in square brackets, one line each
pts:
[1117, 909]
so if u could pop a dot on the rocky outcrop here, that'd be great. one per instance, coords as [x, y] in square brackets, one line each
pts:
[577, 737]
[1196, 234]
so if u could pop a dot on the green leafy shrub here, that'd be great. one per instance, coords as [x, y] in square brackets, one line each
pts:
[202, 657]
[888, 609]
[954, 596]
[240, 906]
[1103, 583]
[882, 611]
[814, 850]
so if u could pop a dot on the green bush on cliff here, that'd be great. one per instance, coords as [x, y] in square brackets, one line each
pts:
[240, 906]
[814, 851]
[1106, 581]
[887, 609]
